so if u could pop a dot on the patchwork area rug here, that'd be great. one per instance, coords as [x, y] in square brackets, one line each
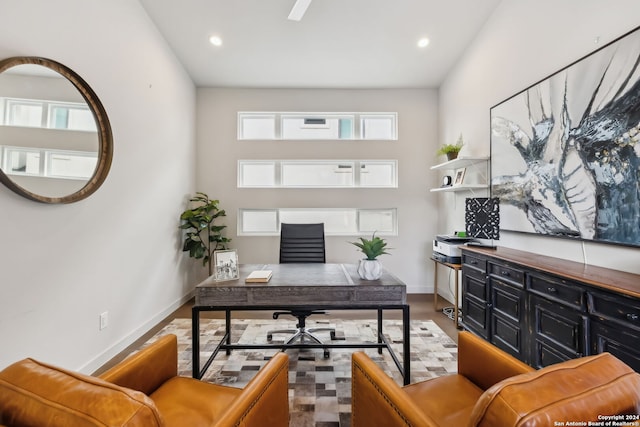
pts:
[319, 388]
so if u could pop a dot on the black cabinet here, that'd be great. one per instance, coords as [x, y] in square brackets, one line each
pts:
[474, 286]
[543, 310]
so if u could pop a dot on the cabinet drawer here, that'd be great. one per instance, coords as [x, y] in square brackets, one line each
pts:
[507, 301]
[475, 316]
[472, 286]
[507, 273]
[624, 343]
[624, 311]
[564, 328]
[474, 273]
[507, 336]
[474, 261]
[561, 291]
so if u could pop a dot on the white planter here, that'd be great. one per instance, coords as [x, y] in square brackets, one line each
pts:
[369, 269]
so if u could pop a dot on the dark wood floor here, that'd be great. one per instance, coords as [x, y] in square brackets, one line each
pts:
[421, 308]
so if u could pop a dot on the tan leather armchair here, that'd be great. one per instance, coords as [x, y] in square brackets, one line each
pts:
[144, 390]
[494, 389]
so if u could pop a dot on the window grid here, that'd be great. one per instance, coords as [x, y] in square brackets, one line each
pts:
[48, 163]
[281, 173]
[74, 116]
[317, 126]
[338, 221]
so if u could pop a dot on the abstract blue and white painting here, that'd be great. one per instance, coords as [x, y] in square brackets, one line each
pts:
[565, 151]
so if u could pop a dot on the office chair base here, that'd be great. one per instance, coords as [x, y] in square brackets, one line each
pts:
[302, 333]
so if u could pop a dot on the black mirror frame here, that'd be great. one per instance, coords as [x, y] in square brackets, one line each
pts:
[105, 136]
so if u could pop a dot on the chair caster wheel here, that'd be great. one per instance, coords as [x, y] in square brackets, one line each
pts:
[326, 354]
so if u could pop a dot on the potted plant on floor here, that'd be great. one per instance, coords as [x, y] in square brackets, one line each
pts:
[451, 150]
[202, 236]
[369, 268]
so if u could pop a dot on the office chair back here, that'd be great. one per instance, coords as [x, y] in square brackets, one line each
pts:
[302, 243]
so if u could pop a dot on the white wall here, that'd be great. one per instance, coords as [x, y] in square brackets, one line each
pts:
[119, 250]
[219, 150]
[522, 43]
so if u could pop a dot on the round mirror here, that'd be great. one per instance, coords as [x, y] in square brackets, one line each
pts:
[55, 139]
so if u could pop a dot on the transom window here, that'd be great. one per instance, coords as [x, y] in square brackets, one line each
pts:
[317, 126]
[317, 173]
[337, 221]
[37, 162]
[46, 114]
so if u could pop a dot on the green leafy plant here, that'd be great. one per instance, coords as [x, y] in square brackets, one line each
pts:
[202, 236]
[451, 148]
[373, 247]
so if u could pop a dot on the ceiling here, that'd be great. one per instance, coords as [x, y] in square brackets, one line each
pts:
[337, 44]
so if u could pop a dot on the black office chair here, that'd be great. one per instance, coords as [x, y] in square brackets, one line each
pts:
[302, 243]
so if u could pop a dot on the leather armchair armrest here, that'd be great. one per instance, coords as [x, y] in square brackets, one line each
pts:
[147, 369]
[265, 399]
[376, 400]
[484, 364]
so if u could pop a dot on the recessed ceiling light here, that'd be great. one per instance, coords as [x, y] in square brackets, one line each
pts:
[423, 42]
[215, 40]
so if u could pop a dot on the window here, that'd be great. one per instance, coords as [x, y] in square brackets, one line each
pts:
[256, 126]
[70, 165]
[71, 117]
[47, 114]
[22, 162]
[307, 173]
[323, 126]
[378, 126]
[337, 221]
[255, 173]
[23, 113]
[317, 173]
[48, 163]
[316, 126]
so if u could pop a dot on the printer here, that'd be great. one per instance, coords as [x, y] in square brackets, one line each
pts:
[446, 248]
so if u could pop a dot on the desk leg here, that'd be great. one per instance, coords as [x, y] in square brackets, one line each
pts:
[455, 297]
[435, 286]
[406, 345]
[195, 342]
[227, 328]
[379, 330]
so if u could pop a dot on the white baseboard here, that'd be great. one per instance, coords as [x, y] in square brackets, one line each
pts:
[130, 338]
[419, 289]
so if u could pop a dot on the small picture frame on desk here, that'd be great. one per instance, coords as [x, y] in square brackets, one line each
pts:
[459, 176]
[225, 265]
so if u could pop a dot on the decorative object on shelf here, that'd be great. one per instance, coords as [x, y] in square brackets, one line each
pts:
[447, 181]
[451, 150]
[482, 219]
[459, 176]
[370, 268]
[565, 150]
[226, 265]
[202, 236]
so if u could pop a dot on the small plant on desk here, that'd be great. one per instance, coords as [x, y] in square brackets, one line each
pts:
[370, 268]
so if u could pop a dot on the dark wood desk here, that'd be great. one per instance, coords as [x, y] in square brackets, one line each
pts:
[302, 286]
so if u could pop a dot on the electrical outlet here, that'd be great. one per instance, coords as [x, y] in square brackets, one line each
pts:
[104, 320]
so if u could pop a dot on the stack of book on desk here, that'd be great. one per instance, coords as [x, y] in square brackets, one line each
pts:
[258, 276]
